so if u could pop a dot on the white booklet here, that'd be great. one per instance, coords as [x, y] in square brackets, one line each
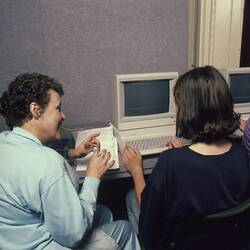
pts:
[107, 141]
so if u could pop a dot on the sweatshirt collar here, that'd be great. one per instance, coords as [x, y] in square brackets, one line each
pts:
[25, 133]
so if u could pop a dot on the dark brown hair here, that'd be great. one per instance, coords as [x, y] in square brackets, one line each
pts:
[205, 108]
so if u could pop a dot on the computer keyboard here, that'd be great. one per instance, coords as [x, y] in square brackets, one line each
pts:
[150, 145]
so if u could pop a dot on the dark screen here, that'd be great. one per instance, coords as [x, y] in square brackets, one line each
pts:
[240, 87]
[147, 97]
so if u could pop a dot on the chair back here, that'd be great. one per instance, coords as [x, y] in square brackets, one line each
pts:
[226, 230]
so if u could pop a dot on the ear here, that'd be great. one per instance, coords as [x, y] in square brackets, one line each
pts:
[35, 110]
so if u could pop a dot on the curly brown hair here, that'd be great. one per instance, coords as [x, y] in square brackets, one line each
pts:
[25, 89]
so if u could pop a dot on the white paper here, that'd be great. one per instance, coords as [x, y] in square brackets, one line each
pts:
[107, 140]
[121, 143]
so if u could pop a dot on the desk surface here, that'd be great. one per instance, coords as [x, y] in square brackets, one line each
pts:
[148, 164]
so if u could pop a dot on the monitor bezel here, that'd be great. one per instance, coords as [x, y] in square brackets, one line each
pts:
[242, 108]
[124, 122]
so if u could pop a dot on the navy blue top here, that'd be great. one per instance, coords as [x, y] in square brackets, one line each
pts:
[185, 183]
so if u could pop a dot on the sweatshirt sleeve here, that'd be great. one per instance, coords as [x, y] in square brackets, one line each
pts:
[68, 215]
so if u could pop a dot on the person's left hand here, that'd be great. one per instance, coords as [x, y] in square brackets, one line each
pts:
[99, 163]
[89, 144]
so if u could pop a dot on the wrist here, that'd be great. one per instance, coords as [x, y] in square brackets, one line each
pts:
[137, 171]
[93, 174]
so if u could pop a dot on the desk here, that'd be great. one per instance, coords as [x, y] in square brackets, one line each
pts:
[68, 141]
[148, 161]
[148, 165]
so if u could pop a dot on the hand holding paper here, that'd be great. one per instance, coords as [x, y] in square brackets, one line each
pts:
[107, 141]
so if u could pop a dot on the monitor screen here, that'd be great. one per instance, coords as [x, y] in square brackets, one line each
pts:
[144, 100]
[240, 87]
[148, 97]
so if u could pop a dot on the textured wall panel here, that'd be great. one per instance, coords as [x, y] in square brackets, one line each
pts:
[83, 43]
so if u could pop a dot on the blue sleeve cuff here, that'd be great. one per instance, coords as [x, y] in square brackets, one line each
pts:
[91, 182]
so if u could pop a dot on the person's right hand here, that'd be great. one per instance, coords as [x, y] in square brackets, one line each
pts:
[132, 160]
[89, 144]
[99, 164]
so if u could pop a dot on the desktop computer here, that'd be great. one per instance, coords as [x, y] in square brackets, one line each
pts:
[144, 110]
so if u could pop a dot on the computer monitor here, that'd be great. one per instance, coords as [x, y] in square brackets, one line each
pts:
[144, 100]
[239, 83]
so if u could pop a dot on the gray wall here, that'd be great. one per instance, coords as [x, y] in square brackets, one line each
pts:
[83, 43]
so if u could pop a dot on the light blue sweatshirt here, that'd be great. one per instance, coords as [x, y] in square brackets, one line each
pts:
[39, 205]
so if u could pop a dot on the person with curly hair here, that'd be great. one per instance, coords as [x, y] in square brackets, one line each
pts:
[210, 175]
[40, 204]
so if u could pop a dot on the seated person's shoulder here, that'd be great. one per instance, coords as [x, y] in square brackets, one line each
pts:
[172, 158]
[53, 164]
[175, 152]
[51, 155]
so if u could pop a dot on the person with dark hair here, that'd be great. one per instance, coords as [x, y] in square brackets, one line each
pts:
[40, 204]
[210, 175]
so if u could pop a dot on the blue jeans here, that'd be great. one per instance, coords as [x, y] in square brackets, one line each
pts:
[132, 210]
[109, 235]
